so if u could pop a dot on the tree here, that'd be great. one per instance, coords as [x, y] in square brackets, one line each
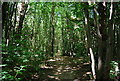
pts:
[89, 39]
[52, 28]
[110, 42]
[22, 12]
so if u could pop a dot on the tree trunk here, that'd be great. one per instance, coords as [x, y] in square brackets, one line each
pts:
[119, 54]
[22, 16]
[89, 40]
[101, 41]
[110, 42]
[5, 21]
[53, 29]
[0, 37]
[118, 42]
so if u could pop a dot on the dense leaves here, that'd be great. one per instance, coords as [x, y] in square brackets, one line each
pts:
[35, 32]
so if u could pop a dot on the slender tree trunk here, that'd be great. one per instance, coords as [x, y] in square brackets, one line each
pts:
[118, 41]
[0, 38]
[89, 40]
[5, 20]
[7, 14]
[22, 16]
[119, 53]
[53, 29]
[63, 40]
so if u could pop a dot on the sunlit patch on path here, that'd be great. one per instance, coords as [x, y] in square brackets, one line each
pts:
[64, 68]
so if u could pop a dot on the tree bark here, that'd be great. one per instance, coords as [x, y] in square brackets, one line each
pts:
[110, 42]
[89, 40]
[101, 41]
[53, 29]
[22, 16]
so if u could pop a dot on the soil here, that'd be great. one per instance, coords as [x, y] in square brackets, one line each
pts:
[63, 68]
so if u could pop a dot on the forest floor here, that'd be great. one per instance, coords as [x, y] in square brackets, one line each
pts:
[64, 68]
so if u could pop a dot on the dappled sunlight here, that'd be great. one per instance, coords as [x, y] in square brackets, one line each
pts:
[60, 41]
[57, 73]
[47, 67]
[57, 78]
[60, 68]
[88, 73]
[35, 76]
[86, 63]
[51, 60]
[67, 67]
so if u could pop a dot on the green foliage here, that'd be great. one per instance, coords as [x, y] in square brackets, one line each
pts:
[13, 74]
[114, 70]
[47, 29]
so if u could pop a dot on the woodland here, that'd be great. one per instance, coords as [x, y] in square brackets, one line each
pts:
[60, 41]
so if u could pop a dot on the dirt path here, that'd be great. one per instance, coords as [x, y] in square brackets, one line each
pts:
[64, 69]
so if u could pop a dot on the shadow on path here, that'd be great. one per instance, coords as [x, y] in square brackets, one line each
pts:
[64, 68]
